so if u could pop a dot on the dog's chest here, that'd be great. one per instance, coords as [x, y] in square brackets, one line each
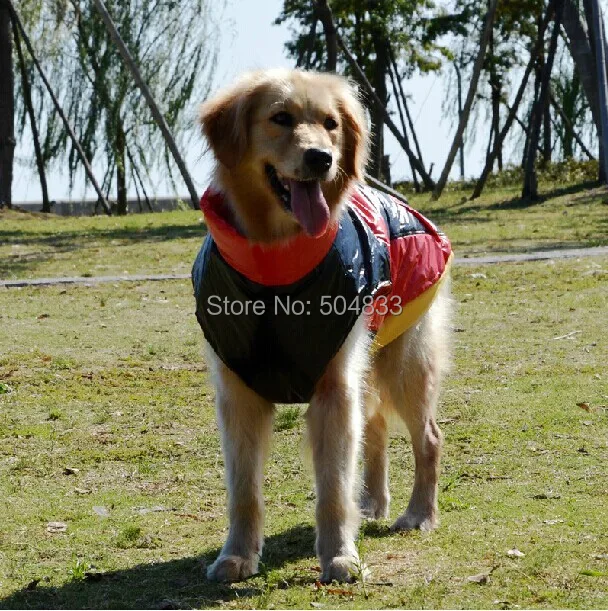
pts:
[279, 339]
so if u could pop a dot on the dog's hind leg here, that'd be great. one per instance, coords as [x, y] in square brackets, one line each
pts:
[245, 420]
[335, 423]
[410, 369]
[375, 496]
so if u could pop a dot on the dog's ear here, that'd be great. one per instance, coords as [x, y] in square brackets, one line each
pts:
[225, 122]
[355, 147]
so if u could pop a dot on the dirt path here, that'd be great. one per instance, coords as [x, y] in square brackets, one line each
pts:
[542, 255]
[538, 255]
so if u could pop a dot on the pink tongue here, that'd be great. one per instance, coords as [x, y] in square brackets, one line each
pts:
[309, 206]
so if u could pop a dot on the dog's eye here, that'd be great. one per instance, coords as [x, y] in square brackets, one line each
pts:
[282, 118]
[330, 123]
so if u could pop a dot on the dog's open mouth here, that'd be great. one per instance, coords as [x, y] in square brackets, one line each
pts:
[303, 198]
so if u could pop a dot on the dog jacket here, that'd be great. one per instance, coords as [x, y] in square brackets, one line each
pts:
[277, 314]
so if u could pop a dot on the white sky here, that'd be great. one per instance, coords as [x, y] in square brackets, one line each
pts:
[249, 40]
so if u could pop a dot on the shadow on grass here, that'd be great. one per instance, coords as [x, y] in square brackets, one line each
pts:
[460, 210]
[519, 203]
[171, 584]
[175, 584]
[72, 240]
[50, 244]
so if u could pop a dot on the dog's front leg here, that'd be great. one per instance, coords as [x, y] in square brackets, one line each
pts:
[335, 425]
[245, 420]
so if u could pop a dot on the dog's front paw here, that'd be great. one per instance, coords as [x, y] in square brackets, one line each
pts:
[374, 508]
[232, 568]
[411, 520]
[345, 569]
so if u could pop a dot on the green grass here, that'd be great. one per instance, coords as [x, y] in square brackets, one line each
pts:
[36, 245]
[107, 425]
[500, 222]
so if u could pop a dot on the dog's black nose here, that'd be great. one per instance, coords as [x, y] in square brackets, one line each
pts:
[317, 160]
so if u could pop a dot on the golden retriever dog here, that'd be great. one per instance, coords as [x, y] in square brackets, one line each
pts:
[291, 149]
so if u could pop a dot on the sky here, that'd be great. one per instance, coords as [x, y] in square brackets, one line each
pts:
[249, 40]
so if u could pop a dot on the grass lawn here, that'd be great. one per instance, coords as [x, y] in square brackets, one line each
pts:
[38, 246]
[111, 475]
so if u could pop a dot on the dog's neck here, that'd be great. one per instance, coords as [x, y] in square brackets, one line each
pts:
[252, 209]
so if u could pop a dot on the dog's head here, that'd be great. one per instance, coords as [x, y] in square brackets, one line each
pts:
[288, 145]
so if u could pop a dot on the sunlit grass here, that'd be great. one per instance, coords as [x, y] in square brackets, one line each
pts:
[524, 465]
[107, 427]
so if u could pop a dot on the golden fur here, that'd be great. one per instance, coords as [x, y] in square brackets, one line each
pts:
[404, 377]
[237, 126]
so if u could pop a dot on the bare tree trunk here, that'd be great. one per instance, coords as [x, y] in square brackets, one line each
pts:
[512, 116]
[412, 130]
[567, 114]
[462, 124]
[381, 67]
[404, 103]
[394, 78]
[139, 206]
[121, 170]
[580, 50]
[546, 156]
[546, 147]
[327, 19]
[600, 61]
[27, 98]
[531, 117]
[459, 86]
[530, 187]
[7, 106]
[495, 88]
[584, 59]
[138, 178]
[491, 139]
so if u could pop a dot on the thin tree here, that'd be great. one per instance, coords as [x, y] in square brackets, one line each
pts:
[495, 94]
[59, 110]
[7, 106]
[459, 93]
[530, 187]
[321, 8]
[29, 105]
[512, 112]
[158, 117]
[602, 80]
[466, 111]
[405, 104]
[397, 97]
[581, 51]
